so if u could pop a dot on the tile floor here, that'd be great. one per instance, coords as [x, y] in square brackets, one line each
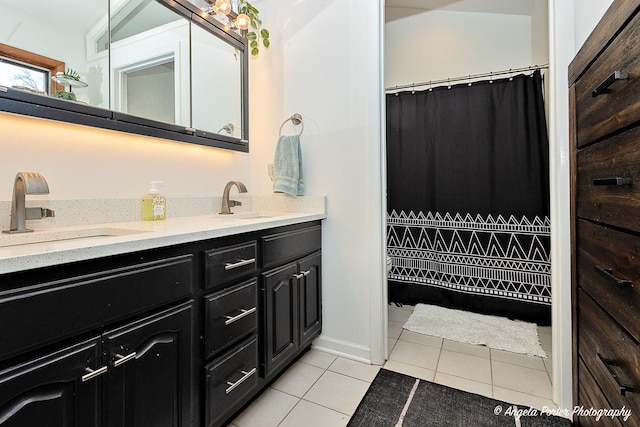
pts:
[306, 393]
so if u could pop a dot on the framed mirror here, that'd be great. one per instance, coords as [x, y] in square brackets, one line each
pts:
[161, 68]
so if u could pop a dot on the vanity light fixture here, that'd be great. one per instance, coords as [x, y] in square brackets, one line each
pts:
[242, 22]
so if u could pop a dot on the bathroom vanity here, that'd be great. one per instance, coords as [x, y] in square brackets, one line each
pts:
[181, 324]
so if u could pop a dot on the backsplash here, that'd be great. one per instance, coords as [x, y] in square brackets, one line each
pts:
[87, 211]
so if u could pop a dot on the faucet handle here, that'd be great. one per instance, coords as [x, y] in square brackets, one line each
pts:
[233, 203]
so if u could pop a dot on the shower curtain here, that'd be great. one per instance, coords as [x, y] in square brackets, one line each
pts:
[468, 198]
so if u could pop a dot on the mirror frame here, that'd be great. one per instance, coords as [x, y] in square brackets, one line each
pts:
[30, 104]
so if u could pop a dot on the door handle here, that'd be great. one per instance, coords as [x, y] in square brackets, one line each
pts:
[612, 181]
[245, 377]
[607, 273]
[120, 359]
[615, 379]
[243, 313]
[93, 373]
[241, 263]
[604, 86]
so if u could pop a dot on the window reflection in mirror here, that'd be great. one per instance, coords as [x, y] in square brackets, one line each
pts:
[53, 40]
[150, 61]
[216, 84]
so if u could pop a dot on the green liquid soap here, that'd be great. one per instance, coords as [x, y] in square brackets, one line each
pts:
[154, 206]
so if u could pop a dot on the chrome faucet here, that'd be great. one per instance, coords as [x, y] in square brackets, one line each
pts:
[226, 203]
[27, 183]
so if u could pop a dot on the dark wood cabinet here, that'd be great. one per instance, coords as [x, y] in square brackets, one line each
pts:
[150, 371]
[281, 311]
[180, 336]
[605, 142]
[52, 388]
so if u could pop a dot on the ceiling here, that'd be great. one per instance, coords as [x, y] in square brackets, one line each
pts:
[397, 9]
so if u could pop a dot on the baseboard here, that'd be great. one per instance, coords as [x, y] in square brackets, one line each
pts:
[341, 348]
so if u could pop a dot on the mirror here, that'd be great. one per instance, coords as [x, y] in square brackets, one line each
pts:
[162, 68]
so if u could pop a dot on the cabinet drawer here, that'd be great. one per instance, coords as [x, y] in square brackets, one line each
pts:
[229, 379]
[590, 396]
[609, 271]
[609, 353]
[230, 262]
[52, 311]
[608, 181]
[619, 105]
[283, 247]
[229, 316]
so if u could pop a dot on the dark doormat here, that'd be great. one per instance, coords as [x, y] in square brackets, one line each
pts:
[394, 397]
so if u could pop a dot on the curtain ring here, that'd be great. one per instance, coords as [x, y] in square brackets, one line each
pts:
[469, 82]
[430, 88]
[448, 83]
[491, 77]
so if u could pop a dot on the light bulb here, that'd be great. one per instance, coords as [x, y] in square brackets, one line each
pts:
[242, 21]
[222, 6]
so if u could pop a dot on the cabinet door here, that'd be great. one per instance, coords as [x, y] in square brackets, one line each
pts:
[51, 391]
[310, 298]
[280, 299]
[150, 377]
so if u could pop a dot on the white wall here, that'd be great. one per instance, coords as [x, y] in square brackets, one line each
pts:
[587, 14]
[440, 44]
[88, 163]
[331, 75]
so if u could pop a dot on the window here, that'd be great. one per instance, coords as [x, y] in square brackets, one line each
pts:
[21, 69]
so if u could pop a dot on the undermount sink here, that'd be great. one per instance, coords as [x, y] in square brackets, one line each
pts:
[249, 215]
[44, 236]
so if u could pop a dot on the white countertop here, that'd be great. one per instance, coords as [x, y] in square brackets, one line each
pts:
[138, 235]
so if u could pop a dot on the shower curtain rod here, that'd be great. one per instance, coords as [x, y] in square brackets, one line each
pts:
[468, 77]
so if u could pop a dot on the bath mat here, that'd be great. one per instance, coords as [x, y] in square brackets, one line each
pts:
[473, 328]
[395, 399]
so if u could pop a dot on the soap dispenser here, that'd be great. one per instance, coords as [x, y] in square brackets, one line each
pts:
[154, 205]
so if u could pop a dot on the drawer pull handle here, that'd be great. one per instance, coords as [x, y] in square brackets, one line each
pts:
[612, 181]
[241, 263]
[306, 273]
[606, 272]
[243, 313]
[604, 86]
[245, 376]
[92, 374]
[120, 359]
[298, 276]
[606, 363]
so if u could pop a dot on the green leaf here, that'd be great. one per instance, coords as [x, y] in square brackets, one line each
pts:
[251, 36]
[253, 44]
[266, 43]
[253, 24]
[254, 51]
[264, 33]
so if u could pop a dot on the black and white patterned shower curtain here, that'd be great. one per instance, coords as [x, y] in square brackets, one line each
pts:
[468, 198]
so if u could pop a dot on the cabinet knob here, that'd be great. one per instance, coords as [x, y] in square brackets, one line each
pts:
[93, 373]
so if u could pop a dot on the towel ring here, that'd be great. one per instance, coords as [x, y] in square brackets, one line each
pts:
[296, 119]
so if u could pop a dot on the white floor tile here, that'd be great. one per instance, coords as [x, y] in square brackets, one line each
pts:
[518, 398]
[391, 343]
[309, 414]
[394, 329]
[464, 384]
[337, 392]
[298, 379]
[470, 349]
[267, 411]
[318, 358]
[423, 339]
[351, 368]
[465, 366]
[519, 378]
[399, 314]
[532, 362]
[422, 356]
[411, 370]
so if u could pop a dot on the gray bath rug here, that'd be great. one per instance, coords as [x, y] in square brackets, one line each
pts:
[494, 332]
[395, 399]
